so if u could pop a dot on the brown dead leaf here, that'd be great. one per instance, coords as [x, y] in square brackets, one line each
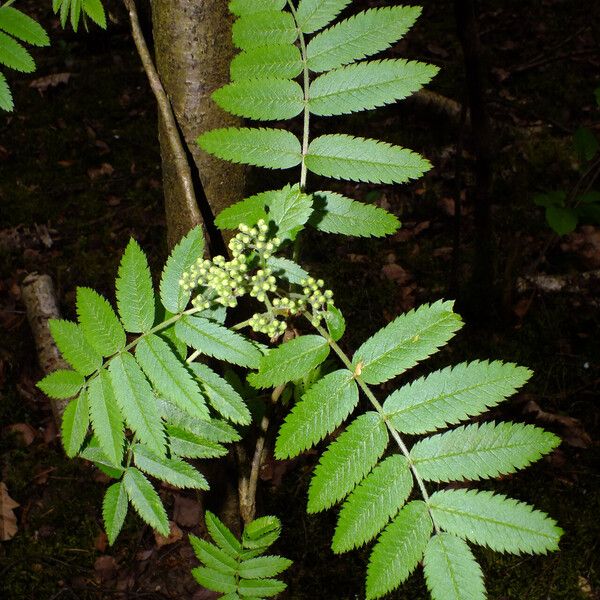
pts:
[572, 430]
[105, 567]
[187, 511]
[105, 169]
[101, 542]
[395, 273]
[25, 433]
[8, 519]
[175, 534]
[41, 84]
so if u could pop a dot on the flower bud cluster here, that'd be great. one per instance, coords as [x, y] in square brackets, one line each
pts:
[254, 238]
[267, 323]
[264, 281]
[316, 298]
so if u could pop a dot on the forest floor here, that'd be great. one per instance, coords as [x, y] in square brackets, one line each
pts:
[80, 174]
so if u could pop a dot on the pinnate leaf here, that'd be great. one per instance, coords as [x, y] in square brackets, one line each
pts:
[74, 347]
[287, 269]
[75, 424]
[347, 461]
[360, 159]
[290, 361]
[22, 27]
[187, 444]
[99, 323]
[62, 384]
[289, 210]
[95, 11]
[405, 341]
[493, 520]
[313, 15]
[248, 211]
[145, 500]
[249, 7]
[452, 395]
[251, 31]
[6, 99]
[213, 557]
[264, 566]
[15, 56]
[114, 510]
[214, 580]
[399, 549]
[222, 536]
[260, 588]
[373, 503]
[451, 571]
[283, 61]
[322, 408]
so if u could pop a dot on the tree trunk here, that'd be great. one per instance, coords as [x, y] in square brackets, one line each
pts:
[192, 41]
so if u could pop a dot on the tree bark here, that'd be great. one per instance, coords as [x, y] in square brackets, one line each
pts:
[192, 40]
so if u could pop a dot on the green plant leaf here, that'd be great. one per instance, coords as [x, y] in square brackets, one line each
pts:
[334, 213]
[186, 444]
[75, 424]
[323, 407]
[262, 532]
[212, 579]
[222, 536]
[405, 341]
[61, 384]
[249, 7]
[554, 198]
[287, 269]
[99, 323]
[336, 324]
[213, 557]
[135, 296]
[480, 451]
[261, 147]
[452, 395]
[76, 6]
[361, 35]
[283, 61]
[367, 85]
[290, 361]
[260, 588]
[313, 15]
[94, 453]
[95, 11]
[347, 461]
[248, 211]
[183, 256]
[251, 31]
[586, 144]
[360, 159]
[74, 347]
[222, 397]
[136, 401]
[451, 571]
[290, 210]
[145, 500]
[6, 99]
[169, 376]
[174, 471]
[114, 510]
[265, 99]
[15, 56]
[107, 421]
[493, 520]
[217, 341]
[399, 549]
[265, 566]
[22, 27]
[561, 220]
[376, 500]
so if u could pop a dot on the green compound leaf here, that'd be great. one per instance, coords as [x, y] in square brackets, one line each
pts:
[99, 323]
[282, 61]
[61, 384]
[186, 444]
[376, 500]
[361, 159]
[251, 31]
[248, 7]
[174, 471]
[15, 56]
[361, 35]
[287, 269]
[94, 453]
[334, 213]
[73, 346]
[136, 401]
[217, 341]
[452, 395]
[451, 571]
[264, 566]
[114, 510]
[262, 532]
[322, 408]
[405, 341]
[493, 520]
[270, 148]
[290, 361]
[265, 99]
[367, 85]
[313, 15]
[106, 417]
[145, 500]
[221, 395]
[173, 297]
[169, 376]
[260, 588]
[75, 424]
[135, 296]
[289, 210]
[22, 27]
[399, 549]
[214, 580]
[6, 99]
[95, 11]
[213, 557]
[222, 536]
[248, 211]
[347, 461]
[480, 451]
